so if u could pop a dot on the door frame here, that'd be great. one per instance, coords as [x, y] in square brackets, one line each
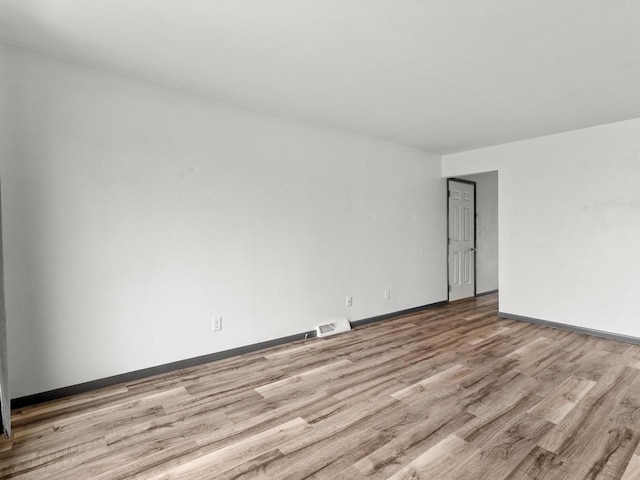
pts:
[475, 219]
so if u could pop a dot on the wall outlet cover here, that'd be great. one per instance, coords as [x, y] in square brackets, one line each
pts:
[216, 324]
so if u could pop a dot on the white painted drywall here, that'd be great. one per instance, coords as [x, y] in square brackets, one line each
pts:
[486, 230]
[569, 210]
[134, 213]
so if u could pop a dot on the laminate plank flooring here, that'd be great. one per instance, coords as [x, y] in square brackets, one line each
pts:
[449, 393]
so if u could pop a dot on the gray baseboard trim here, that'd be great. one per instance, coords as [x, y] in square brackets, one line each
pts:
[488, 292]
[387, 316]
[58, 393]
[572, 328]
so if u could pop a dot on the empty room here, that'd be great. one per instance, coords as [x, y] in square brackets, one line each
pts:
[319, 239]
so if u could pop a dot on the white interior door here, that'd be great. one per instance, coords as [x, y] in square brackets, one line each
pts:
[462, 258]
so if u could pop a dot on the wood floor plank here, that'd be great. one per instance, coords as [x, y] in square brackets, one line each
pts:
[410, 441]
[499, 450]
[79, 419]
[350, 473]
[512, 389]
[532, 349]
[332, 426]
[609, 457]
[593, 364]
[276, 388]
[68, 405]
[46, 466]
[155, 462]
[587, 433]
[562, 399]
[433, 382]
[328, 458]
[588, 417]
[434, 462]
[492, 333]
[492, 421]
[538, 464]
[632, 356]
[226, 458]
[626, 411]
[632, 472]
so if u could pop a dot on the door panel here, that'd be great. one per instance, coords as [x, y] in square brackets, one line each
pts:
[461, 240]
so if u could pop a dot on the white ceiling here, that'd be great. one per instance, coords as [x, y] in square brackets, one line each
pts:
[440, 75]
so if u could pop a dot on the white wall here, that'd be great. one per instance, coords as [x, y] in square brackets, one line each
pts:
[569, 210]
[134, 213]
[486, 230]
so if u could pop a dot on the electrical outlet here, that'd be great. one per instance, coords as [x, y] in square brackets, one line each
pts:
[387, 294]
[349, 301]
[216, 324]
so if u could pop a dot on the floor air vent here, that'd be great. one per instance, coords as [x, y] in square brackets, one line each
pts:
[337, 326]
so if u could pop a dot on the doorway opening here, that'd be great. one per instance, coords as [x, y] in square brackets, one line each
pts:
[472, 235]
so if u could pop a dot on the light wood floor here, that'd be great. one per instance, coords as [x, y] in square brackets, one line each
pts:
[451, 393]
